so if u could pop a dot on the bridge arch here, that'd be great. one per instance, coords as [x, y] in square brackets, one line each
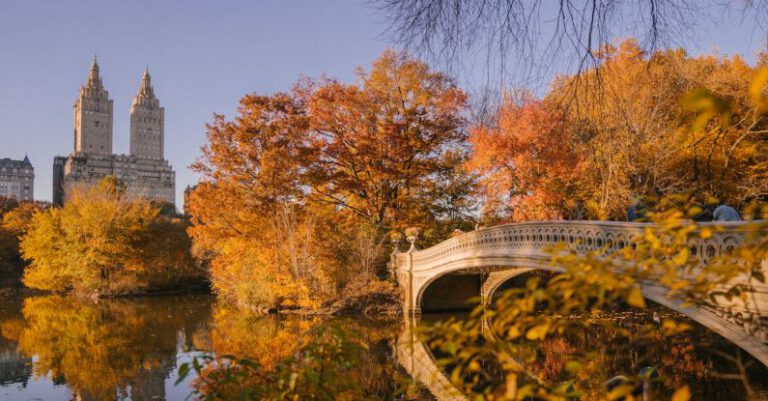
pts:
[496, 267]
[497, 279]
[453, 288]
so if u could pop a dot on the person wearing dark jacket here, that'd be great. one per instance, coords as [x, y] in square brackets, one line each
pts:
[725, 213]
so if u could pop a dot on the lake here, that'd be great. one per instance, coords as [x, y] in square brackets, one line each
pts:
[64, 348]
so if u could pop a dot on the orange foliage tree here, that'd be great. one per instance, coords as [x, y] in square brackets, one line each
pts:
[387, 145]
[526, 162]
[300, 189]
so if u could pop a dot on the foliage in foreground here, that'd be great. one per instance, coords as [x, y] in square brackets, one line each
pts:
[503, 365]
[513, 329]
[101, 242]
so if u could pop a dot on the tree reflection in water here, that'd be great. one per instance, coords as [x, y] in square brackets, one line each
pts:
[112, 349]
[15, 368]
[693, 358]
[129, 348]
[277, 358]
[714, 368]
[103, 349]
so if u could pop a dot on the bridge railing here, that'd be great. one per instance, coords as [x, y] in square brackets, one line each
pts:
[581, 236]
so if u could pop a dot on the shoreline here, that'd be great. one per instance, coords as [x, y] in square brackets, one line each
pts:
[370, 305]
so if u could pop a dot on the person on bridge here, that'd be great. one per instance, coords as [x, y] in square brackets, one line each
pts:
[637, 210]
[725, 213]
[705, 214]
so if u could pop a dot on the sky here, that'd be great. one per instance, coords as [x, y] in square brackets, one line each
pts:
[203, 57]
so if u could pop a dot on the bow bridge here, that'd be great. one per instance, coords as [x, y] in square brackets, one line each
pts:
[478, 263]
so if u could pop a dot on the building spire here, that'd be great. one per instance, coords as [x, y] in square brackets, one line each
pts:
[145, 90]
[146, 80]
[94, 80]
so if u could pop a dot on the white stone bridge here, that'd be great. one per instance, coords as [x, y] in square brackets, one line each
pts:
[477, 263]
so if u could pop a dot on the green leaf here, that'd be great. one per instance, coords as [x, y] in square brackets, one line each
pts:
[183, 372]
[292, 381]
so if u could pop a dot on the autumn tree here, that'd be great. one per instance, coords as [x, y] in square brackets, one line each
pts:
[298, 180]
[19, 219]
[631, 127]
[9, 246]
[104, 243]
[527, 165]
[635, 128]
[385, 143]
[245, 210]
[14, 221]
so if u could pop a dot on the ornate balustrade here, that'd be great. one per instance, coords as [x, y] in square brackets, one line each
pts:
[535, 237]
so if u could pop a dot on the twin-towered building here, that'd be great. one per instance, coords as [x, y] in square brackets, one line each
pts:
[144, 171]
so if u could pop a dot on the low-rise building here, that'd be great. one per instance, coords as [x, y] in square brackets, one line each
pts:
[17, 179]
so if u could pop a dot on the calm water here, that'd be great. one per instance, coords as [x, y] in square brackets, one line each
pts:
[62, 348]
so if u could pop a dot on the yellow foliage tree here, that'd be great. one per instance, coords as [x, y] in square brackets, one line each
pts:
[633, 125]
[105, 243]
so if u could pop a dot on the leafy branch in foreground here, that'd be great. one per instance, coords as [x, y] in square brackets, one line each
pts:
[492, 354]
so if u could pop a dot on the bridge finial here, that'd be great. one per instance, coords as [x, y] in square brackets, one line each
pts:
[396, 237]
[412, 235]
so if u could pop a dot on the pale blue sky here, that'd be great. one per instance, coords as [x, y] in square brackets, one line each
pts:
[203, 57]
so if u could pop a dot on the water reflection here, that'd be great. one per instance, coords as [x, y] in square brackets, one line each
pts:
[15, 368]
[64, 348]
[322, 359]
[714, 368]
[108, 350]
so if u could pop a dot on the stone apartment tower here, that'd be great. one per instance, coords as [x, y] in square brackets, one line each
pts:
[147, 122]
[144, 170]
[93, 116]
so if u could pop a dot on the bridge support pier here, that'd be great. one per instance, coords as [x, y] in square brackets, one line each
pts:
[410, 305]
